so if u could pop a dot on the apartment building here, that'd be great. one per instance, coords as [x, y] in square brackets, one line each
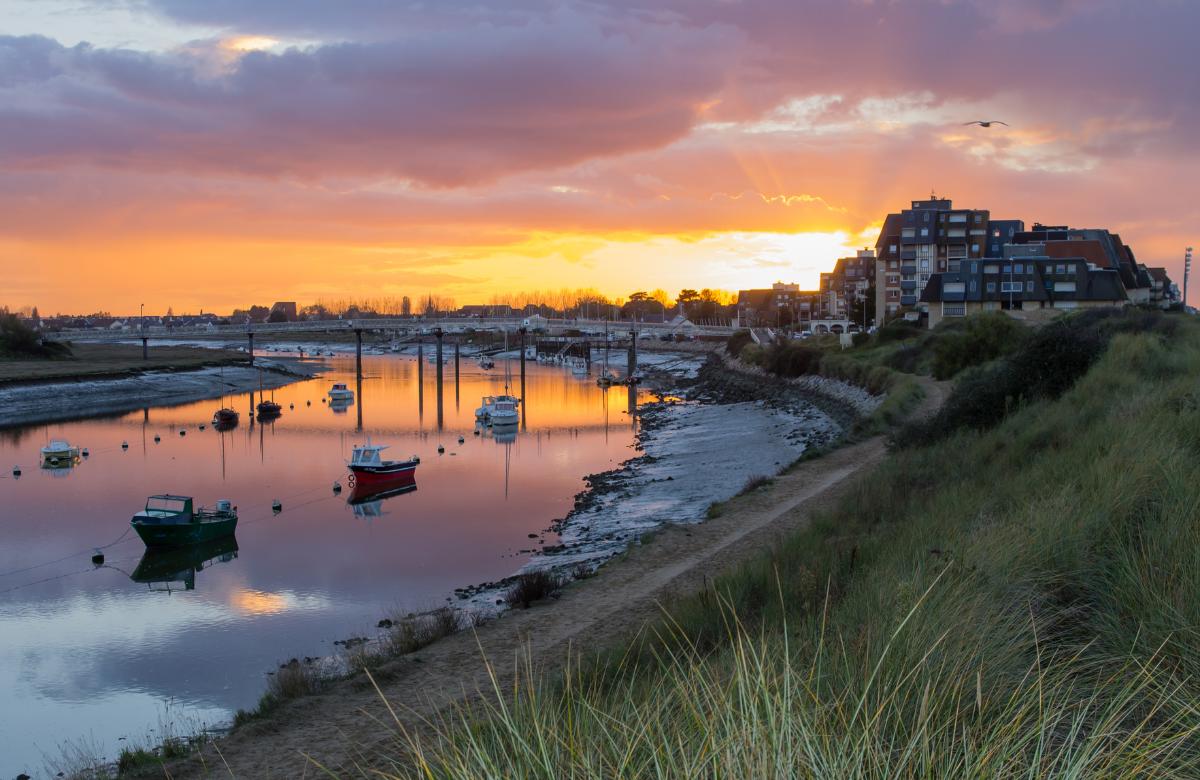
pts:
[846, 289]
[931, 237]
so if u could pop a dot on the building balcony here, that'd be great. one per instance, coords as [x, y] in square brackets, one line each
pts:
[908, 254]
[908, 270]
[908, 300]
[908, 285]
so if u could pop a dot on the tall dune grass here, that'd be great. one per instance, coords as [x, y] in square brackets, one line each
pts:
[1020, 602]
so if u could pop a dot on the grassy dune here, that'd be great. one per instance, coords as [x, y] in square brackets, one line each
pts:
[1018, 601]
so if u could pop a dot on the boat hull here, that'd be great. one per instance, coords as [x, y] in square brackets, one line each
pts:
[183, 534]
[384, 477]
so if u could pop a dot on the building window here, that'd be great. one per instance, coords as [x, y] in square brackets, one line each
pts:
[1011, 287]
[973, 287]
[995, 234]
[893, 294]
[953, 287]
[1018, 268]
[1029, 286]
[995, 249]
[975, 248]
[924, 232]
[908, 233]
[978, 218]
[1064, 287]
[892, 248]
[974, 269]
[990, 268]
[1061, 269]
[926, 216]
[991, 287]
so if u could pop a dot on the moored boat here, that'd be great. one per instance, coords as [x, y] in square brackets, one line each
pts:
[269, 409]
[59, 454]
[340, 391]
[368, 469]
[172, 521]
[225, 418]
[504, 412]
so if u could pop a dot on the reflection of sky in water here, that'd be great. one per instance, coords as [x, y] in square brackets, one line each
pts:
[90, 652]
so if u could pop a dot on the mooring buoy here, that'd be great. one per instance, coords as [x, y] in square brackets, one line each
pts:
[124, 445]
[157, 438]
[276, 506]
[337, 487]
[16, 471]
[98, 558]
[182, 432]
[441, 449]
[201, 426]
[85, 452]
[461, 439]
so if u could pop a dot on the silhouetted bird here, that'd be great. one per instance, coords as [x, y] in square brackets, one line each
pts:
[987, 122]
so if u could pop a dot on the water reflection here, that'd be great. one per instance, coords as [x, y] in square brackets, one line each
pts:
[302, 578]
[160, 568]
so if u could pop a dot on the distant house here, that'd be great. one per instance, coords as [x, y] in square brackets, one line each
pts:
[284, 311]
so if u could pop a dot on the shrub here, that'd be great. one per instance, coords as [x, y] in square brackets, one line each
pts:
[21, 341]
[861, 339]
[791, 360]
[1047, 364]
[898, 330]
[532, 586]
[735, 343]
[976, 340]
[412, 632]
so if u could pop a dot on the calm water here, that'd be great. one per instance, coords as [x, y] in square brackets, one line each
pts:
[103, 653]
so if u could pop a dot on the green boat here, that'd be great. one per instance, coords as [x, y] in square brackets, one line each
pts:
[171, 521]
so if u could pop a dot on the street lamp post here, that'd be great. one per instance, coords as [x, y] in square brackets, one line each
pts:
[1187, 269]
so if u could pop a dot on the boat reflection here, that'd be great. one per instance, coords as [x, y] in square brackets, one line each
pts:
[367, 502]
[340, 405]
[159, 569]
[505, 434]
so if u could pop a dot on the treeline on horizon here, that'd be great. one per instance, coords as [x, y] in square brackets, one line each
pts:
[705, 302]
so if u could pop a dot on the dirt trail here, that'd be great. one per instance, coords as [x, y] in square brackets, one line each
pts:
[345, 728]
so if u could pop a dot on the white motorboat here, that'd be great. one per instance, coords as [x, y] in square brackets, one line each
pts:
[504, 412]
[339, 391]
[59, 454]
[578, 365]
[486, 362]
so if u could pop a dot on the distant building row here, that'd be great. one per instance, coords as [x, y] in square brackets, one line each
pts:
[936, 261]
[933, 261]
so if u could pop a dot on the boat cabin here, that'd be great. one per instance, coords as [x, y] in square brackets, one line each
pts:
[367, 455]
[166, 507]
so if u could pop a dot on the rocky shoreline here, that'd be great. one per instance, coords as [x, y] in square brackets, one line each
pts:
[711, 430]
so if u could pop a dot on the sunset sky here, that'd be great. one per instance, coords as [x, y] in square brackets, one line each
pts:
[218, 153]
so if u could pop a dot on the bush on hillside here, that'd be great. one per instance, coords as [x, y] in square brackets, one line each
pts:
[898, 330]
[1047, 364]
[739, 339]
[18, 340]
[977, 339]
[789, 359]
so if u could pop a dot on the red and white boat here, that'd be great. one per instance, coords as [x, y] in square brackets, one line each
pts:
[368, 469]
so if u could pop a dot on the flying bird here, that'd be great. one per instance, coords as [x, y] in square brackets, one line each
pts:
[987, 123]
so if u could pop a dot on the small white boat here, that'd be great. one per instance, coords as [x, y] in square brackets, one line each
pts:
[504, 412]
[339, 391]
[485, 362]
[59, 454]
[579, 366]
[486, 412]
